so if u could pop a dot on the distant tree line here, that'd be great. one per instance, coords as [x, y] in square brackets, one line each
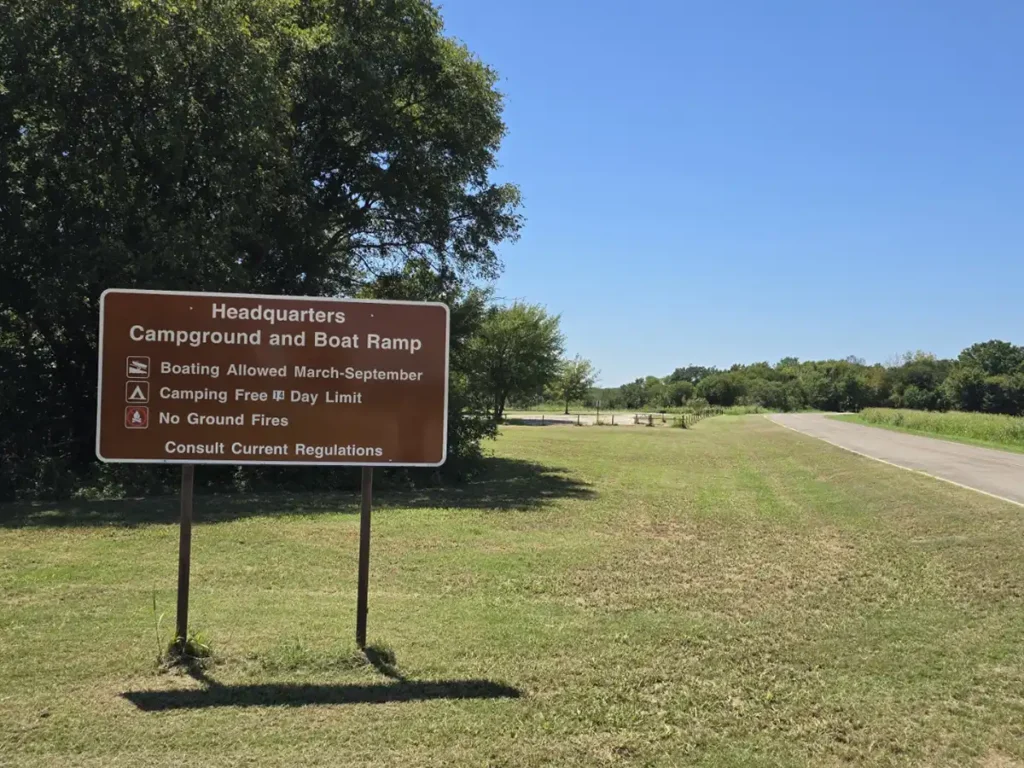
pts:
[987, 377]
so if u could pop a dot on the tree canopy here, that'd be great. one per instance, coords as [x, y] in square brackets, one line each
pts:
[994, 358]
[516, 354]
[575, 379]
[268, 146]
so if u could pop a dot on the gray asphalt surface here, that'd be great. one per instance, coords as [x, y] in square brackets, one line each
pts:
[996, 472]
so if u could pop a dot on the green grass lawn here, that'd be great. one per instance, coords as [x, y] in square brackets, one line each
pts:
[728, 595]
[983, 429]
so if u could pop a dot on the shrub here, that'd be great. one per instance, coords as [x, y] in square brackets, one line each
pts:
[919, 399]
[696, 404]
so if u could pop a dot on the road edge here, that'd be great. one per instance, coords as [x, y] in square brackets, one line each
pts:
[768, 417]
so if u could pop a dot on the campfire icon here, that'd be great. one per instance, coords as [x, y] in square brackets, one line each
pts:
[136, 417]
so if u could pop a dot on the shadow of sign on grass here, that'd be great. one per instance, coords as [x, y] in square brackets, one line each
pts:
[300, 695]
[505, 484]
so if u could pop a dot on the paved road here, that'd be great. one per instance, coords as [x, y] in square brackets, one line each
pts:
[995, 472]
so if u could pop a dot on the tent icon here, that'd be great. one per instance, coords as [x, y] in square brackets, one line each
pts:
[136, 391]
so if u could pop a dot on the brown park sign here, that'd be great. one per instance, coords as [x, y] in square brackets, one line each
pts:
[219, 378]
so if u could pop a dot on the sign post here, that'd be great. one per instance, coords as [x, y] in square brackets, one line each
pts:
[217, 378]
[362, 591]
[184, 554]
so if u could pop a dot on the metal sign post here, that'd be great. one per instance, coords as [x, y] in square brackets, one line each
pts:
[184, 554]
[362, 593]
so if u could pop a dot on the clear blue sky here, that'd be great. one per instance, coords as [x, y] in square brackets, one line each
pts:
[718, 182]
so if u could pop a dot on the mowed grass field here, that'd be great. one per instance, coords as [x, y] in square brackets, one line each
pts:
[730, 595]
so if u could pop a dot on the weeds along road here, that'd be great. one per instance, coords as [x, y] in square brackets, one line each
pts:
[994, 472]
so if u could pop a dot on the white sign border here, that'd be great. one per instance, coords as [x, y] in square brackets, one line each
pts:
[447, 376]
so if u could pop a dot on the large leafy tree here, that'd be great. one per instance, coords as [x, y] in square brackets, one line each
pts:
[678, 392]
[692, 373]
[989, 377]
[575, 379]
[720, 388]
[245, 145]
[994, 358]
[634, 394]
[417, 282]
[515, 354]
